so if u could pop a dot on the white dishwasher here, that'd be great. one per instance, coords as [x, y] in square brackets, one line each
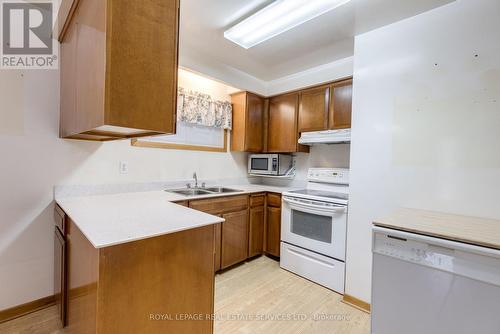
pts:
[429, 285]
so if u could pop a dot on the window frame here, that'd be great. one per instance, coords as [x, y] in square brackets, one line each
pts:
[173, 146]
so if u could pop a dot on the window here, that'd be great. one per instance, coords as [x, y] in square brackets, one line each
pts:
[189, 137]
[204, 116]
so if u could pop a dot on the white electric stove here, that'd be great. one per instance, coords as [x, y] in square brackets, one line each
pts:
[314, 226]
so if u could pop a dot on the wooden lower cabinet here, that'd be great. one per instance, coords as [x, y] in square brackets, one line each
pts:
[127, 288]
[252, 226]
[60, 264]
[60, 275]
[273, 224]
[234, 238]
[273, 231]
[256, 231]
[183, 203]
[218, 246]
[231, 236]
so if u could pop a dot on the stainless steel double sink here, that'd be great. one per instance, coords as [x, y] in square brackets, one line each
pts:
[202, 191]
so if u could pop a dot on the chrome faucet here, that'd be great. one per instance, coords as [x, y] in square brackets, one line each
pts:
[195, 177]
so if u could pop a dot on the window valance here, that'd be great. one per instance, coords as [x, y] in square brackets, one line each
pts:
[198, 108]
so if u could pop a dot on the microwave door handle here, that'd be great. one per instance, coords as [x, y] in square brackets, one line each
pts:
[309, 205]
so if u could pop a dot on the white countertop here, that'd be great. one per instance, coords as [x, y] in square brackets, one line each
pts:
[108, 220]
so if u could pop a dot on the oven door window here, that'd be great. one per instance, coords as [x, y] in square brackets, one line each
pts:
[311, 226]
[260, 163]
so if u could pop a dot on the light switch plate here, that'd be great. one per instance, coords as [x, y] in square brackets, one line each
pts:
[123, 167]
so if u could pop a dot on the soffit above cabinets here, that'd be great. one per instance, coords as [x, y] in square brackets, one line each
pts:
[323, 40]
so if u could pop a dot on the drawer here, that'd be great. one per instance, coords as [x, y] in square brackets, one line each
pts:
[257, 200]
[221, 204]
[274, 200]
[60, 219]
[315, 267]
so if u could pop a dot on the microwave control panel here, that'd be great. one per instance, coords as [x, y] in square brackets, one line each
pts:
[275, 165]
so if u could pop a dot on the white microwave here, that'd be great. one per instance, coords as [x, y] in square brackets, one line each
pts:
[269, 164]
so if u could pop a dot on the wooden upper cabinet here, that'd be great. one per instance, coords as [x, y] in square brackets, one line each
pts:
[119, 69]
[340, 105]
[282, 132]
[248, 122]
[313, 109]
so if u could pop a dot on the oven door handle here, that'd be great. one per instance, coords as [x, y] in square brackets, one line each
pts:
[308, 205]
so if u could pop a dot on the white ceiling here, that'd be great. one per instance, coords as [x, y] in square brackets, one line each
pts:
[323, 40]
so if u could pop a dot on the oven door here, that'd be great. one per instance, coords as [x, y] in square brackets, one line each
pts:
[317, 226]
[261, 164]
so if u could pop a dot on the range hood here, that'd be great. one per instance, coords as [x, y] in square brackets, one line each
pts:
[326, 137]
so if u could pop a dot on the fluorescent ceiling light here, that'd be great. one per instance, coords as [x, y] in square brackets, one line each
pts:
[278, 17]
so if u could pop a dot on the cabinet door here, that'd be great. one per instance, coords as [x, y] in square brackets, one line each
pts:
[341, 105]
[313, 109]
[218, 245]
[142, 64]
[90, 64]
[68, 81]
[282, 127]
[60, 275]
[254, 123]
[256, 234]
[273, 231]
[234, 238]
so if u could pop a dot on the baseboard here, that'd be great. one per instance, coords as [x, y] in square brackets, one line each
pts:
[357, 303]
[20, 310]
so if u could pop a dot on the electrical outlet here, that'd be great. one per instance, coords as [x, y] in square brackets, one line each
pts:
[123, 167]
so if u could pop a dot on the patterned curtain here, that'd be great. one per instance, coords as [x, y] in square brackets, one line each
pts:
[201, 109]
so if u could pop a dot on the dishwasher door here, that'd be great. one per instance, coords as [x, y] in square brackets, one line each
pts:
[433, 286]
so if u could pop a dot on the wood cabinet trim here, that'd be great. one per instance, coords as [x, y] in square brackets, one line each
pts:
[64, 16]
[357, 303]
[27, 308]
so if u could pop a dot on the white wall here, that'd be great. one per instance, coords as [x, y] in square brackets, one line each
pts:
[426, 120]
[34, 159]
[317, 75]
[339, 69]
[322, 156]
